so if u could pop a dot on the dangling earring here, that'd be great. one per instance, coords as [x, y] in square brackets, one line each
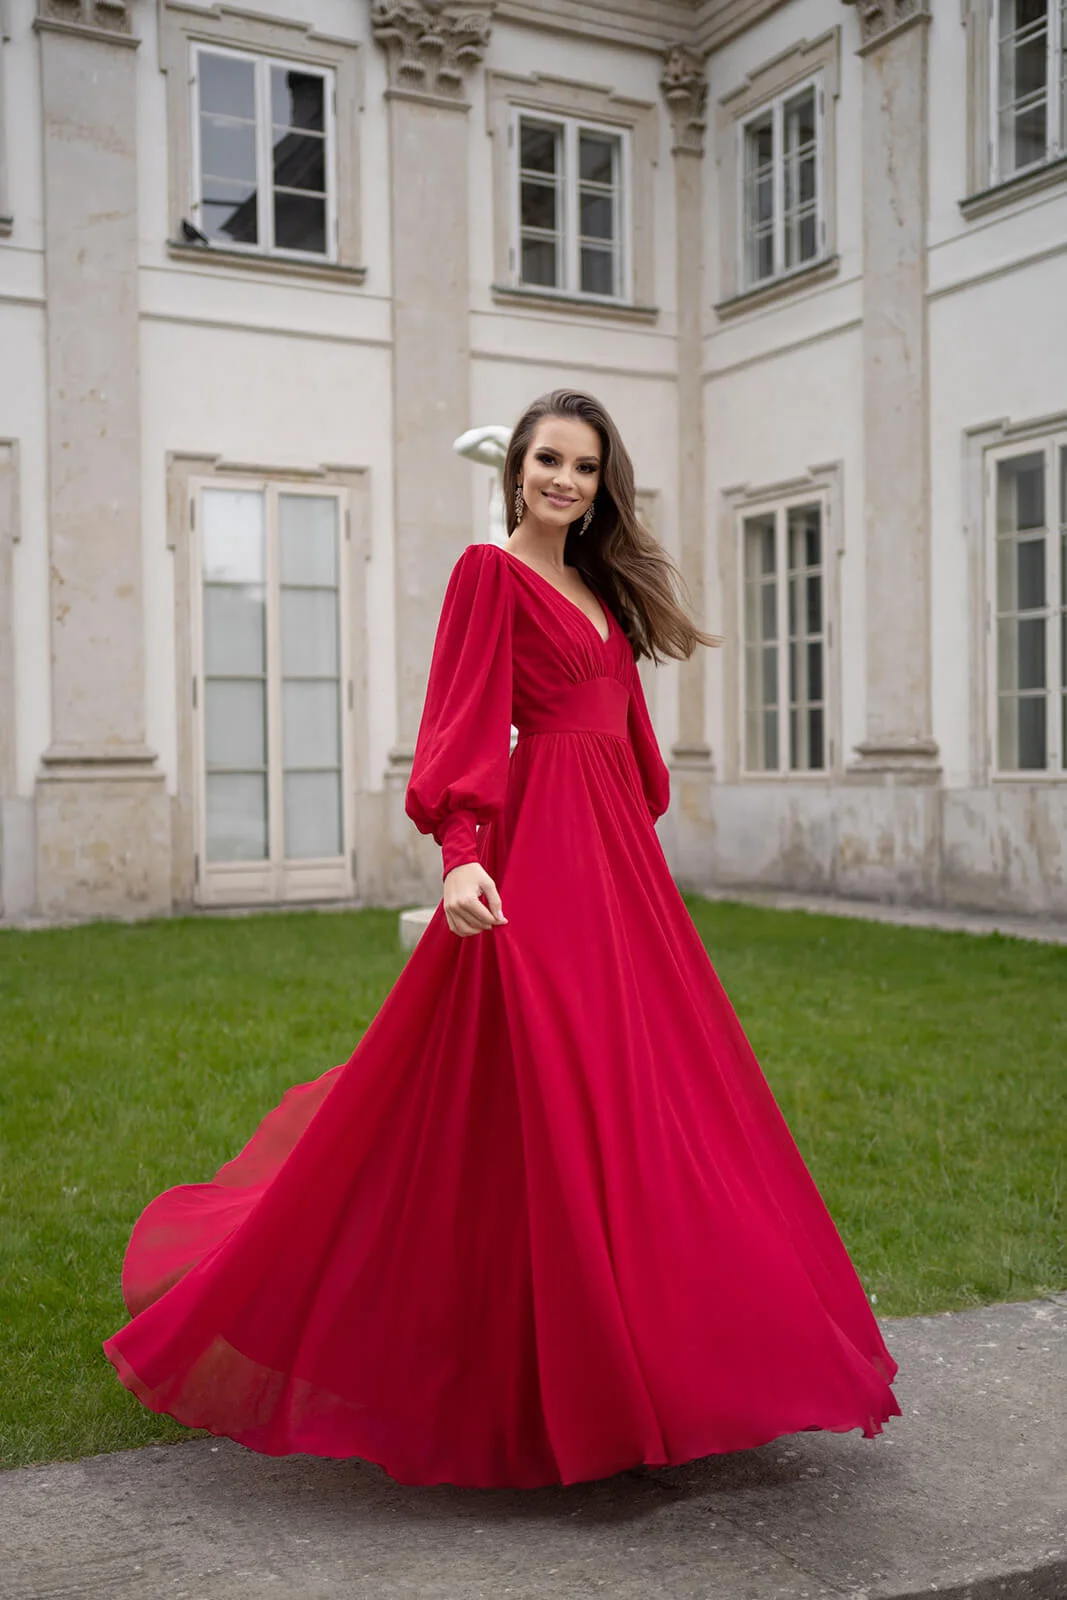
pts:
[586, 520]
[520, 504]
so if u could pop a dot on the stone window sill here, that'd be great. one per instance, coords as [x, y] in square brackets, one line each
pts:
[1017, 188]
[815, 775]
[778, 288]
[1027, 780]
[572, 304]
[272, 266]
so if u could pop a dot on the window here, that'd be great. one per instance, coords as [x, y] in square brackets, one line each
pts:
[262, 153]
[270, 692]
[1030, 608]
[785, 638]
[781, 207]
[574, 197]
[1029, 78]
[570, 207]
[776, 139]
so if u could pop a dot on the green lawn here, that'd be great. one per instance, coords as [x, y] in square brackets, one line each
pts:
[923, 1074]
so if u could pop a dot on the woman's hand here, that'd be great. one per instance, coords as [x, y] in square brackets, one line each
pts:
[465, 911]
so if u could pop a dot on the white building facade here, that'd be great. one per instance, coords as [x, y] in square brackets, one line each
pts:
[260, 268]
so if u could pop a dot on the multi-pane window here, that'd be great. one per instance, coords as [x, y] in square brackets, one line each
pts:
[1030, 586]
[781, 204]
[571, 206]
[1029, 83]
[785, 639]
[263, 144]
[272, 719]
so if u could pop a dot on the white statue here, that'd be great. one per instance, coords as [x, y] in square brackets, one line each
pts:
[489, 447]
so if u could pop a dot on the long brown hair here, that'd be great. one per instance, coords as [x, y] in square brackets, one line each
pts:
[622, 562]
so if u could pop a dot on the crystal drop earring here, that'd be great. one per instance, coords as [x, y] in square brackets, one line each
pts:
[520, 504]
[586, 520]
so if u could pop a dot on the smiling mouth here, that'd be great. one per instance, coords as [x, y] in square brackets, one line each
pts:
[560, 499]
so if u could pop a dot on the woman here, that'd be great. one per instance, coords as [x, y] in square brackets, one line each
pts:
[547, 1222]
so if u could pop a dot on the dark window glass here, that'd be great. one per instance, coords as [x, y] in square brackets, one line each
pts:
[816, 739]
[538, 147]
[229, 211]
[539, 262]
[300, 223]
[596, 159]
[1031, 647]
[1033, 743]
[598, 271]
[538, 205]
[597, 219]
[300, 163]
[298, 100]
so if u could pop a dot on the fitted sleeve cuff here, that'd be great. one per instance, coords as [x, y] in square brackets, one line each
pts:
[458, 838]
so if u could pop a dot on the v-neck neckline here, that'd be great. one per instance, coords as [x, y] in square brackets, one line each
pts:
[603, 642]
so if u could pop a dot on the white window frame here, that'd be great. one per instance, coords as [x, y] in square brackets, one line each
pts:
[780, 508]
[263, 62]
[1050, 446]
[572, 127]
[276, 878]
[1055, 142]
[776, 106]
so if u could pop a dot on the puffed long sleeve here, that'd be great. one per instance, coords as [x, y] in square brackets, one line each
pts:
[655, 776]
[460, 768]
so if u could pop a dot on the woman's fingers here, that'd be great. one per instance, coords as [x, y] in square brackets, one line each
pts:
[466, 913]
[489, 889]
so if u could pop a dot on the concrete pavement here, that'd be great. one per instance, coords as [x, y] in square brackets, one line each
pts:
[964, 1496]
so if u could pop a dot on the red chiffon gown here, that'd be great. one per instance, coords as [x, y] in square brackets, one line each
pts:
[547, 1222]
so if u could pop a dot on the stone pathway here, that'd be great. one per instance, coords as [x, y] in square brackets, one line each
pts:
[1045, 930]
[964, 1496]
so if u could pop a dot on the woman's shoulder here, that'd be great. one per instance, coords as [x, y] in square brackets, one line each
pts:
[483, 560]
[478, 575]
[482, 553]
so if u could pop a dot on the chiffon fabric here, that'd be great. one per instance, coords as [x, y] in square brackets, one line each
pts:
[547, 1222]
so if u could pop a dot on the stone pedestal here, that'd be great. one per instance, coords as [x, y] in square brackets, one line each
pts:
[102, 815]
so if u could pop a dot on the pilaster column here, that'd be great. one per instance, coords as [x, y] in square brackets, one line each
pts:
[684, 86]
[101, 809]
[432, 45]
[899, 746]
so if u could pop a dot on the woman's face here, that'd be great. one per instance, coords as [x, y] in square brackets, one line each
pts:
[560, 472]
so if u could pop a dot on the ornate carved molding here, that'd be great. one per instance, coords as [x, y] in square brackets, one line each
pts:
[685, 88]
[881, 19]
[431, 44]
[96, 16]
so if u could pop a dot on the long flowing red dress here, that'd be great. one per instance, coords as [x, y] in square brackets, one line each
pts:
[547, 1222]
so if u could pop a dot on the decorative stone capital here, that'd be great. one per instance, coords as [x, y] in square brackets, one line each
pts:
[431, 44]
[685, 88]
[92, 16]
[880, 20]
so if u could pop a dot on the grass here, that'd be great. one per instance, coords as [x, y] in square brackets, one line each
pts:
[923, 1074]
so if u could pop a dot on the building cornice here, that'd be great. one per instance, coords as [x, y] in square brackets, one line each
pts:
[716, 22]
[642, 24]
